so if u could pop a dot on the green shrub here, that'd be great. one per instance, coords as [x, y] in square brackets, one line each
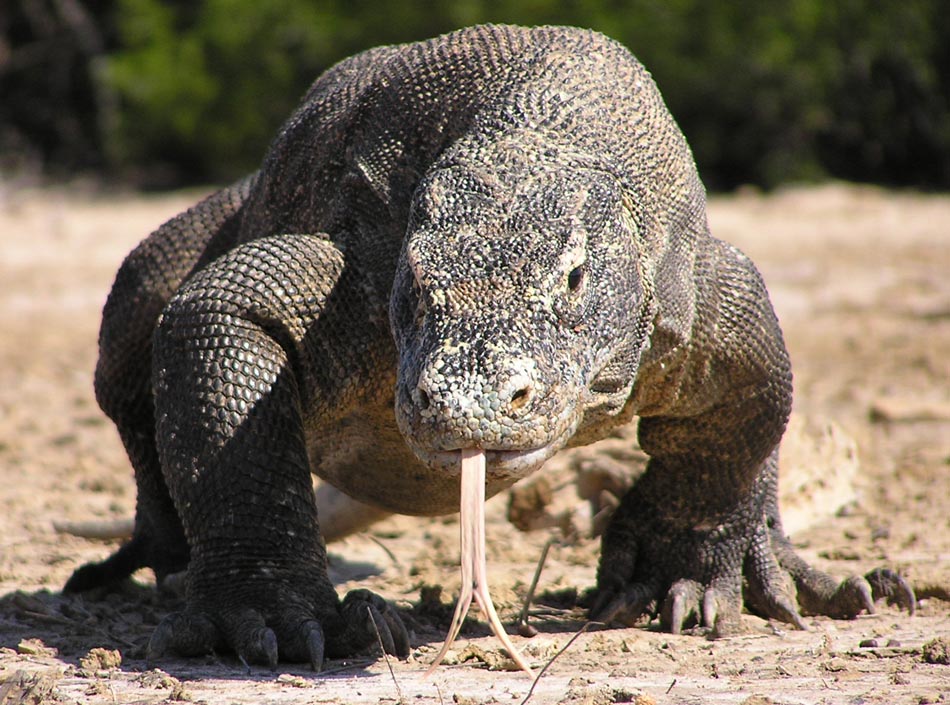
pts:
[201, 90]
[766, 91]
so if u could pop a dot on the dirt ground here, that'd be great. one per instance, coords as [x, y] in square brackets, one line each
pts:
[861, 280]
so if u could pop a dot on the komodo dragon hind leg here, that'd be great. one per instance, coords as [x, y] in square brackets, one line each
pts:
[145, 282]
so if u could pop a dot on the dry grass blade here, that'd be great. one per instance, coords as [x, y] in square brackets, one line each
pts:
[392, 673]
[544, 670]
[474, 567]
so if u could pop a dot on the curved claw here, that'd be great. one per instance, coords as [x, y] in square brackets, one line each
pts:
[889, 584]
[399, 633]
[256, 642]
[852, 597]
[602, 600]
[769, 589]
[381, 627]
[768, 592]
[316, 644]
[160, 641]
[268, 647]
[300, 641]
[780, 606]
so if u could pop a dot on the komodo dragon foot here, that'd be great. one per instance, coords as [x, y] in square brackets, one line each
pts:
[702, 575]
[281, 621]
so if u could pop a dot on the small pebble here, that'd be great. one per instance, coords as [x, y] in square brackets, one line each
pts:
[526, 630]
[34, 647]
[868, 644]
[937, 651]
[101, 659]
[292, 680]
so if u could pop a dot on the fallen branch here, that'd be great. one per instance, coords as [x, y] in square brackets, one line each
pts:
[100, 530]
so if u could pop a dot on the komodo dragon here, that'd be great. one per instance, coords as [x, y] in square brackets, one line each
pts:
[495, 240]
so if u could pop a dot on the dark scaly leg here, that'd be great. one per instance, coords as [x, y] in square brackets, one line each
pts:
[241, 356]
[704, 516]
[681, 536]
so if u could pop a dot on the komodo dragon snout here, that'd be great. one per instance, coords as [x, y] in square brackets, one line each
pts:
[516, 289]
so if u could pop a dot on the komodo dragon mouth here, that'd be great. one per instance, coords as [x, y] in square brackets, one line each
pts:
[514, 463]
[474, 567]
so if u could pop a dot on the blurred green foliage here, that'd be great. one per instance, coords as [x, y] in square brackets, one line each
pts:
[766, 91]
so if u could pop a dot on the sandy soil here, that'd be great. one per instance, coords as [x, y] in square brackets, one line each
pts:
[861, 280]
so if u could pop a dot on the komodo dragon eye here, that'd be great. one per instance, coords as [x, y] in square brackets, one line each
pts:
[571, 303]
[575, 278]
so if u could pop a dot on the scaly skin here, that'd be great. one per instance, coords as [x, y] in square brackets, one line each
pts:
[495, 239]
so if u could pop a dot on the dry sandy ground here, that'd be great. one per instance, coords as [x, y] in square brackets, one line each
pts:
[861, 280]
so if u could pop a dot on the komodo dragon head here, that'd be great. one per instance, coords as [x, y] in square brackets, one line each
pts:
[519, 309]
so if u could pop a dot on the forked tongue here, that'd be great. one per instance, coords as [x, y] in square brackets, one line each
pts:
[474, 572]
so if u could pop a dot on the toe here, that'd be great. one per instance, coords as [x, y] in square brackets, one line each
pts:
[769, 590]
[681, 606]
[300, 638]
[185, 633]
[722, 607]
[250, 637]
[398, 631]
[368, 619]
[607, 605]
[777, 604]
[266, 648]
[886, 583]
[258, 646]
[624, 606]
[381, 627]
[852, 598]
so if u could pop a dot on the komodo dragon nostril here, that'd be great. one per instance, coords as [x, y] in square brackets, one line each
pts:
[520, 387]
[422, 399]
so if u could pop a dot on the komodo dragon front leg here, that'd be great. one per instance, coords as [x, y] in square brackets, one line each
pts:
[240, 353]
[700, 529]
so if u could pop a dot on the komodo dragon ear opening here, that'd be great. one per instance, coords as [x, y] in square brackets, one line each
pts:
[474, 566]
